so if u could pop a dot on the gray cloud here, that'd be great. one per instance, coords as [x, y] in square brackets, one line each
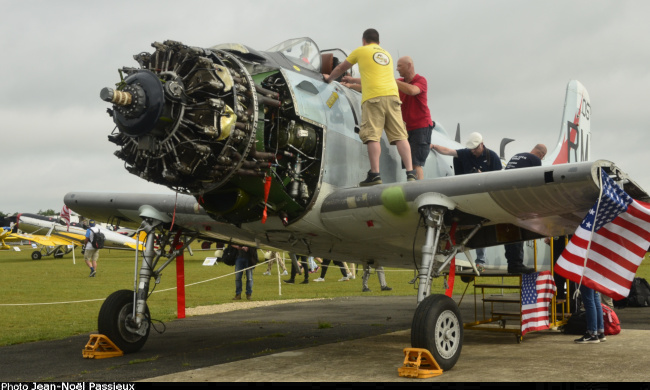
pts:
[498, 67]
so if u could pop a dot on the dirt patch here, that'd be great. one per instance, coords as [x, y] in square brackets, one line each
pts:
[238, 305]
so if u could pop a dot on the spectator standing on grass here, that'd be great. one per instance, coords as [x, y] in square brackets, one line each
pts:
[325, 265]
[91, 255]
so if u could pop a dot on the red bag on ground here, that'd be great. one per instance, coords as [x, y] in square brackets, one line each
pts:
[610, 319]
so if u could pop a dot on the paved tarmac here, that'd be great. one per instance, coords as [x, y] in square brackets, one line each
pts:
[353, 339]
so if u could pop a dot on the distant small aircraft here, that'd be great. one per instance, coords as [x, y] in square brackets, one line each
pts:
[56, 239]
[242, 135]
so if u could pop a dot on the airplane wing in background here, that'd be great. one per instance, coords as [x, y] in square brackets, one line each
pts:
[45, 240]
[55, 237]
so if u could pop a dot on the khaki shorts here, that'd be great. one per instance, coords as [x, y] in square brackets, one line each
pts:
[379, 113]
[91, 254]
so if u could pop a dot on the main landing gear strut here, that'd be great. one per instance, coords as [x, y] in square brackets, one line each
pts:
[437, 325]
[124, 317]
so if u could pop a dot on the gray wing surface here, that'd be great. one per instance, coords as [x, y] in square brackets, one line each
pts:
[382, 222]
[513, 205]
[124, 209]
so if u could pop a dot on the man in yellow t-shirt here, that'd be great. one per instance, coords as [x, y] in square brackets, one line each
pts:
[380, 104]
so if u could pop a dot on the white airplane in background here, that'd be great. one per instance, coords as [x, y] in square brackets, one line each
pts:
[55, 238]
[243, 134]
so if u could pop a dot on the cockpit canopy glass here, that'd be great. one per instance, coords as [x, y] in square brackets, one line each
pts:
[301, 51]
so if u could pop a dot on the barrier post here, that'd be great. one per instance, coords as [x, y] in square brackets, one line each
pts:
[180, 282]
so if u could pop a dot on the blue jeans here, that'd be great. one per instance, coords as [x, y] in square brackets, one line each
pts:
[240, 264]
[480, 255]
[593, 310]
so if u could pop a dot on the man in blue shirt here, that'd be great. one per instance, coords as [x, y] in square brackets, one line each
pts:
[515, 252]
[475, 158]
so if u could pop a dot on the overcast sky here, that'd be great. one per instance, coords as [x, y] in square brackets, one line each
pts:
[497, 67]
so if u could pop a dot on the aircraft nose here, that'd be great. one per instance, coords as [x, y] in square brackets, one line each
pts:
[137, 107]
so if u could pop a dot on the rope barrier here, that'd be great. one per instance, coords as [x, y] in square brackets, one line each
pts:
[164, 290]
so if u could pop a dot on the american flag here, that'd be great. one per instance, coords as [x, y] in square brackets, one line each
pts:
[537, 291]
[620, 239]
[65, 215]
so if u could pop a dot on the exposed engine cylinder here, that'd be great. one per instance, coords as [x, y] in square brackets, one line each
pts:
[209, 123]
[187, 118]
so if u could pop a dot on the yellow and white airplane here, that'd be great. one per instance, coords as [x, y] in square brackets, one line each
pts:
[56, 238]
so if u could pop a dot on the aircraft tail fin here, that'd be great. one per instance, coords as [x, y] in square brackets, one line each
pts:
[574, 143]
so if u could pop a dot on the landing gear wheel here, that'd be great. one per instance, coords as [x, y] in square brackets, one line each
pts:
[59, 254]
[438, 327]
[36, 255]
[114, 321]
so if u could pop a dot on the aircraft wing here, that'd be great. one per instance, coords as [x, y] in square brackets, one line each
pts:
[184, 210]
[513, 205]
[379, 222]
[45, 240]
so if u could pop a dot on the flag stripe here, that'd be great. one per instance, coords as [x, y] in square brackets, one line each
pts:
[619, 238]
[640, 210]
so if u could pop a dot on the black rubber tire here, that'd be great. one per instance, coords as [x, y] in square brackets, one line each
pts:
[438, 327]
[58, 254]
[111, 321]
[36, 255]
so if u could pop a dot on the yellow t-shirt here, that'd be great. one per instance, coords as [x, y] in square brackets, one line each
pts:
[376, 68]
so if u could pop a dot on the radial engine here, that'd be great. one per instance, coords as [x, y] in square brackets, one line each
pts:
[219, 126]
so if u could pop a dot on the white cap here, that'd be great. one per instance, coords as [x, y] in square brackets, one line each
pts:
[474, 141]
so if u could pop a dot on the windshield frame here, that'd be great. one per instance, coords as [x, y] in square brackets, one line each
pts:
[302, 52]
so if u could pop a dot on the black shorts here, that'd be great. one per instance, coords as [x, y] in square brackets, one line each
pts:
[420, 140]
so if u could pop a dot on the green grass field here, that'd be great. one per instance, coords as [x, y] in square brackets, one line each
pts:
[53, 298]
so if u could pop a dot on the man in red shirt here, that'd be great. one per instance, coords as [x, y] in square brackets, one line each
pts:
[415, 112]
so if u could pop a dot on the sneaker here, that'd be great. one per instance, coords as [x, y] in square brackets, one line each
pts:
[344, 279]
[386, 288]
[285, 273]
[371, 180]
[266, 273]
[481, 267]
[92, 273]
[411, 175]
[601, 337]
[290, 281]
[366, 289]
[587, 338]
[519, 269]
[306, 281]
[319, 280]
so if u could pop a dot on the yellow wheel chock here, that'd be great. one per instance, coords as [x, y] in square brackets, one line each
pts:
[100, 347]
[418, 363]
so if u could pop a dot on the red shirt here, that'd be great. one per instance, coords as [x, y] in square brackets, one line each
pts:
[415, 110]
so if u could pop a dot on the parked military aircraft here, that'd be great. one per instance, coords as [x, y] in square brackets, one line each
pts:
[55, 238]
[259, 149]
